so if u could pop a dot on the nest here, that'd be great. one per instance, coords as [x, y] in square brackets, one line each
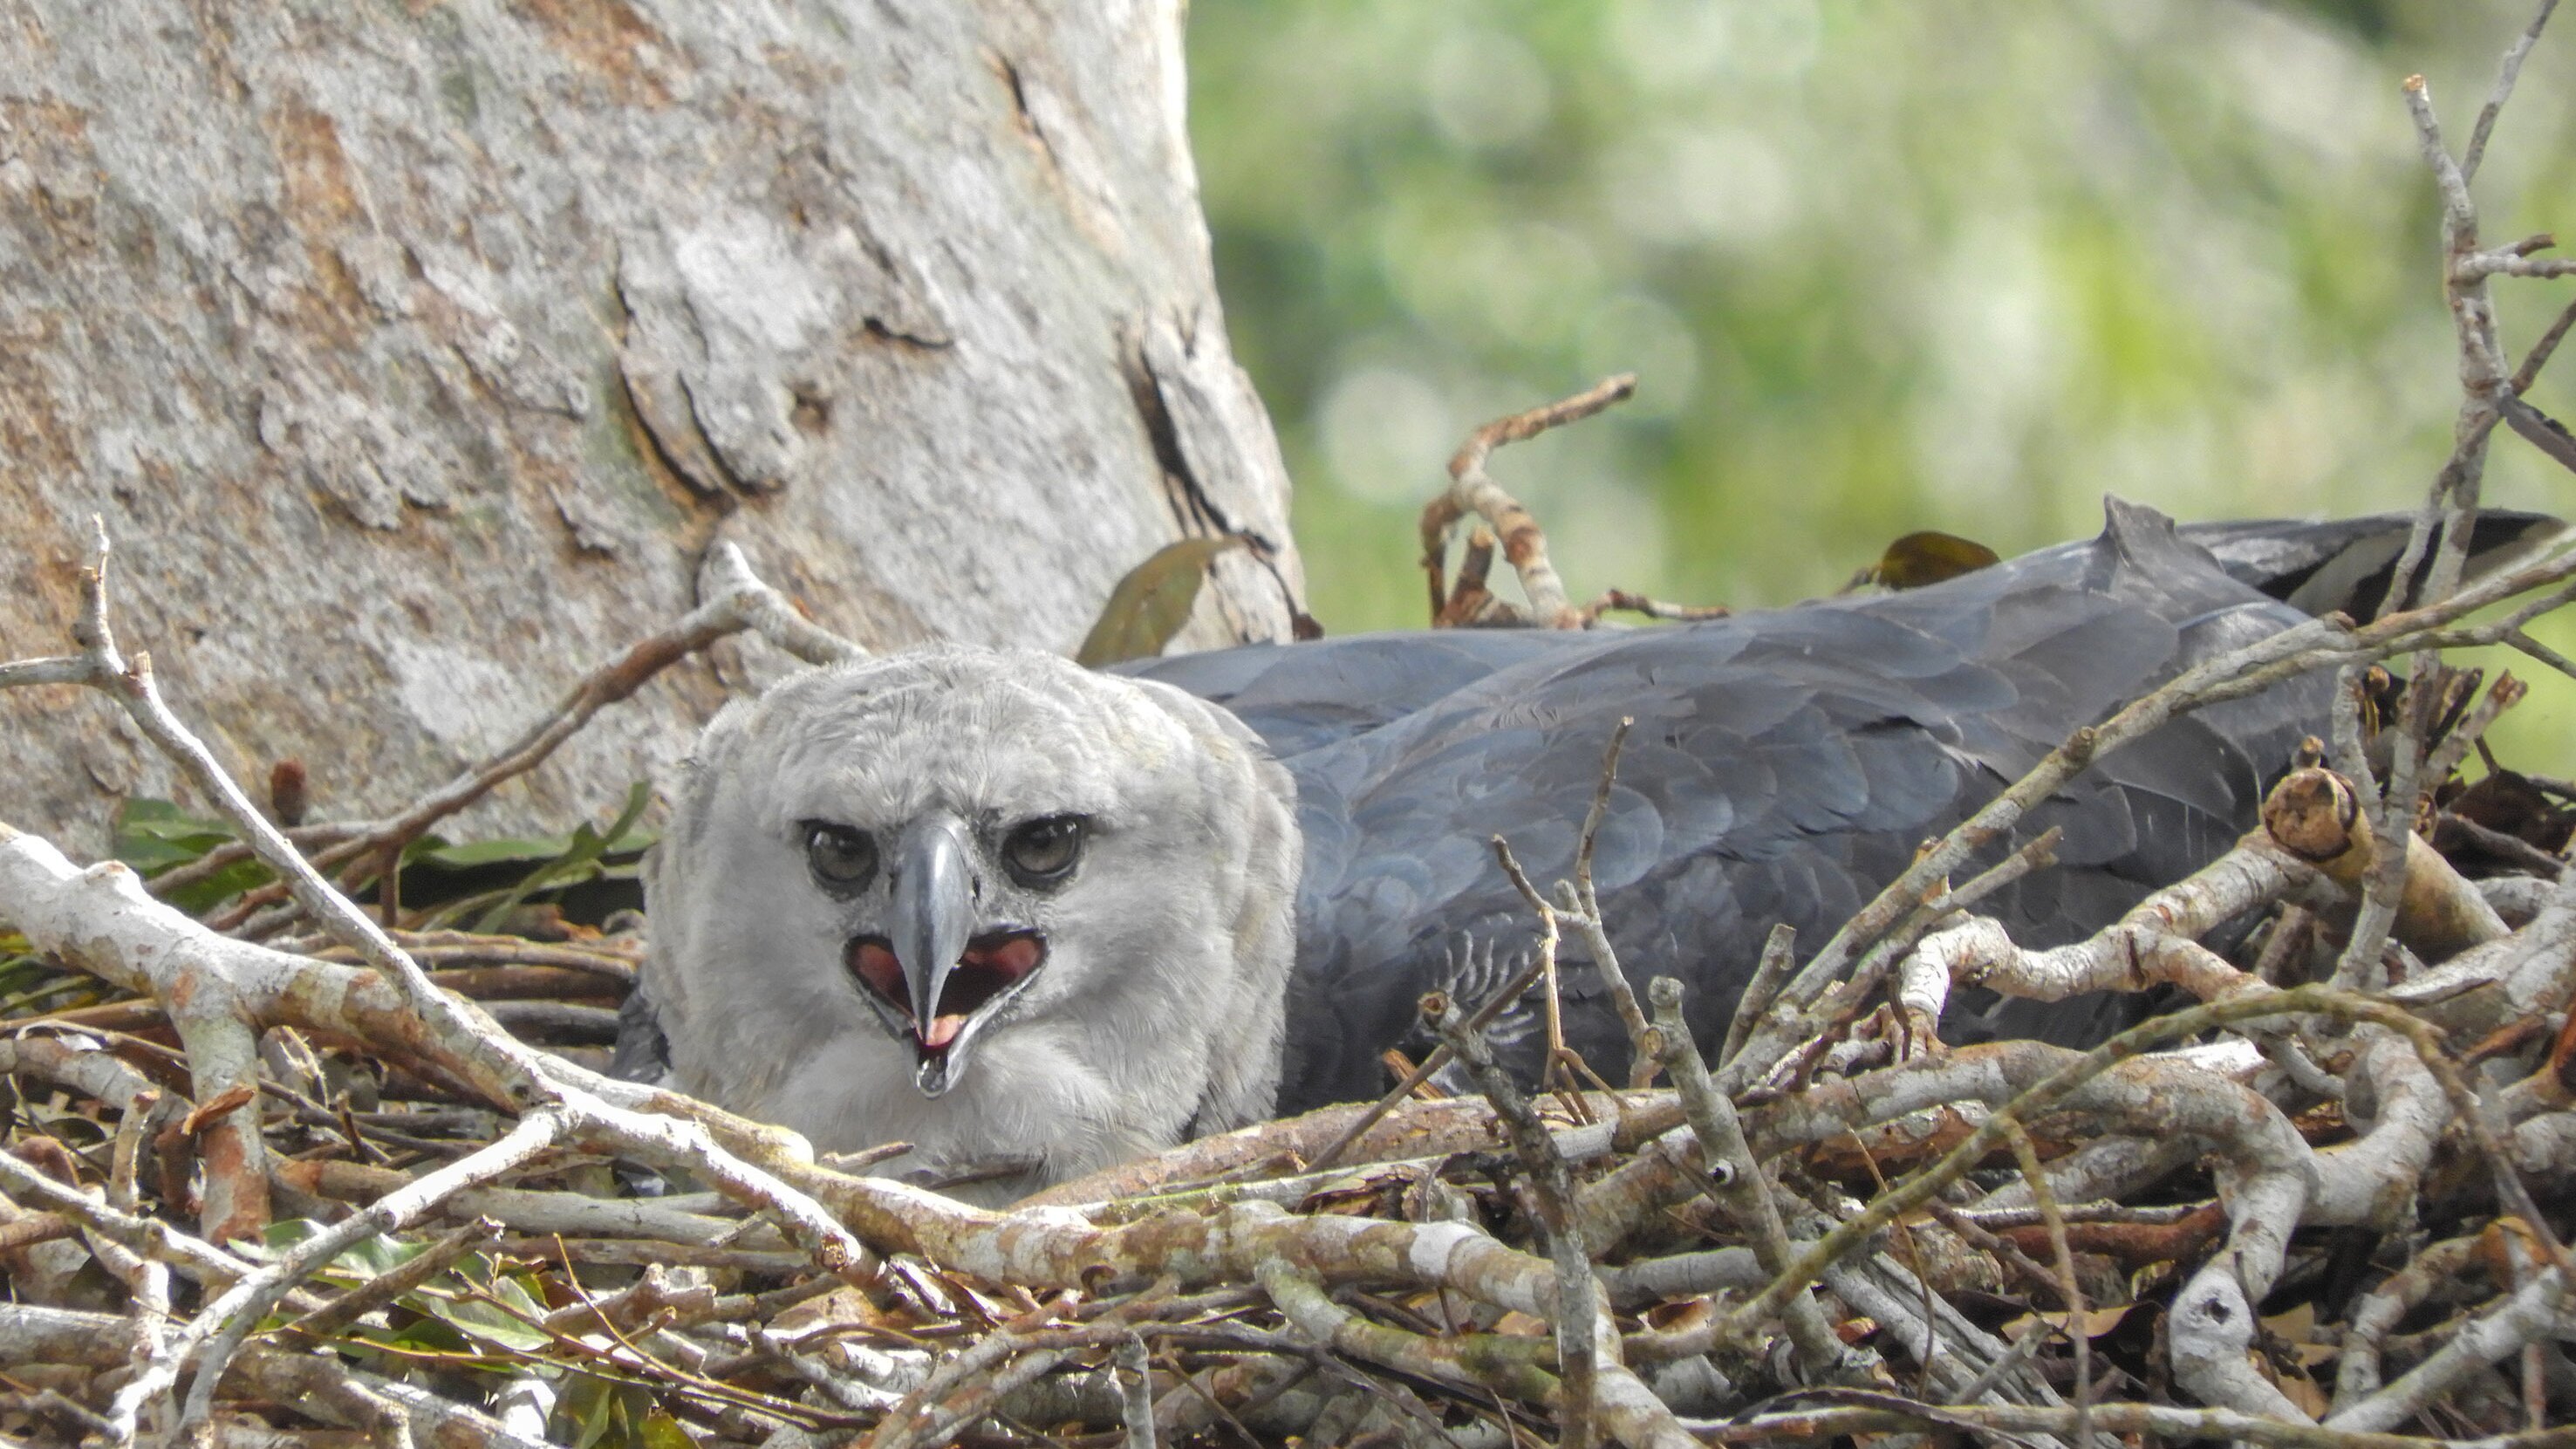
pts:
[2297, 1211]
[288, 1168]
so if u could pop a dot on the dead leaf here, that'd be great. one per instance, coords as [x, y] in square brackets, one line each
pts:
[1354, 1197]
[2097, 1322]
[2297, 1330]
[1928, 557]
[2295, 1326]
[216, 1106]
[2305, 1392]
[1151, 604]
[1675, 1315]
[841, 1308]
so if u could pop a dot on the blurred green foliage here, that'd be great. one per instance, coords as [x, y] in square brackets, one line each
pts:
[1961, 264]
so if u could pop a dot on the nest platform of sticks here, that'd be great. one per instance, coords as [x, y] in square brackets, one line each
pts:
[284, 1168]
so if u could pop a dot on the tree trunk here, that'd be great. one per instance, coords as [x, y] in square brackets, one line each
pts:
[414, 353]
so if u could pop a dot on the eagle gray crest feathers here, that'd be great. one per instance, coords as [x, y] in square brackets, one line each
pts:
[982, 901]
[1035, 920]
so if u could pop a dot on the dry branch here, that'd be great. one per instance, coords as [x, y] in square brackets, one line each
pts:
[1201, 1238]
[1524, 546]
[1792, 1239]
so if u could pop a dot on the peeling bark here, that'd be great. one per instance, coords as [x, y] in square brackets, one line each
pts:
[412, 354]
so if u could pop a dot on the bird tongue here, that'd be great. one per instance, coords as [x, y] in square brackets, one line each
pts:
[984, 971]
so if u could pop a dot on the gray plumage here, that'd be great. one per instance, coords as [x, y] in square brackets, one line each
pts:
[1157, 1009]
[1275, 850]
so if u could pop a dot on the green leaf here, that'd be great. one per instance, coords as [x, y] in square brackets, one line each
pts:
[153, 835]
[582, 1410]
[421, 1335]
[360, 1260]
[1151, 604]
[283, 1234]
[28, 981]
[379, 1254]
[481, 1304]
[144, 814]
[661, 1431]
[579, 859]
[223, 885]
[593, 1412]
[478, 1319]
[487, 852]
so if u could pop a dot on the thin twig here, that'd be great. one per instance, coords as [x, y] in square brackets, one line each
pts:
[1921, 1185]
[441, 1254]
[2543, 349]
[1738, 1185]
[2070, 1287]
[1135, 1391]
[1471, 491]
[734, 599]
[1578, 1313]
[1431, 1064]
[2507, 72]
[2321, 643]
[223, 1324]
[1779, 955]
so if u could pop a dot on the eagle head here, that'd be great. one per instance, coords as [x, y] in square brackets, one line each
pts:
[1031, 919]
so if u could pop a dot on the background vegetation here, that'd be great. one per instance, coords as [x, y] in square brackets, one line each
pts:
[1962, 265]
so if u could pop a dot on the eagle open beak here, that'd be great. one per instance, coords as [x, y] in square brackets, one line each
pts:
[932, 936]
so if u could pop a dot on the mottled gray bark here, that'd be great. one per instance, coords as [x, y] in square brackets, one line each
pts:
[414, 352]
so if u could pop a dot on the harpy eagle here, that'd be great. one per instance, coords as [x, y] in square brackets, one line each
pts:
[1016, 912]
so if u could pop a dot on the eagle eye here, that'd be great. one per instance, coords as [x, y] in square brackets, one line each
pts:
[841, 859]
[1042, 852]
